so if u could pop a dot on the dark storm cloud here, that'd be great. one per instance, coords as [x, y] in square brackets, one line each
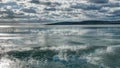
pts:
[99, 1]
[29, 10]
[116, 12]
[86, 6]
[49, 9]
[35, 1]
[112, 4]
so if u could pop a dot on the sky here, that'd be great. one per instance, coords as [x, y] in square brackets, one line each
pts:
[61, 10]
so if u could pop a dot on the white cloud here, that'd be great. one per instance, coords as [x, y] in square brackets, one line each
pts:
[64, 10]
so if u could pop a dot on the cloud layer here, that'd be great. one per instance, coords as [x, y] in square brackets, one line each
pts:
[61, 10]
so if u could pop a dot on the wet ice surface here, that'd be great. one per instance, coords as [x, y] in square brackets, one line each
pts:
[60, 47]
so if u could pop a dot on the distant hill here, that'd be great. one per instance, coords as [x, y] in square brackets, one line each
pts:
[86, 23]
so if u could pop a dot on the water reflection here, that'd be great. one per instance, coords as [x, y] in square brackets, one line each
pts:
[61, 47]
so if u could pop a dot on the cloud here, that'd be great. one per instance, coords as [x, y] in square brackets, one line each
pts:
[49, 9]
[116, 12]
[99, 1]
[112, 4]
[28, 10]
[64, 10]
[86, 6]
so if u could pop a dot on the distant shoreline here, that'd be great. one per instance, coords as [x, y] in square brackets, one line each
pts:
[86, 23]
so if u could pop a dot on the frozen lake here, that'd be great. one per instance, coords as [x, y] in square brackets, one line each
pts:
[59, 46]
